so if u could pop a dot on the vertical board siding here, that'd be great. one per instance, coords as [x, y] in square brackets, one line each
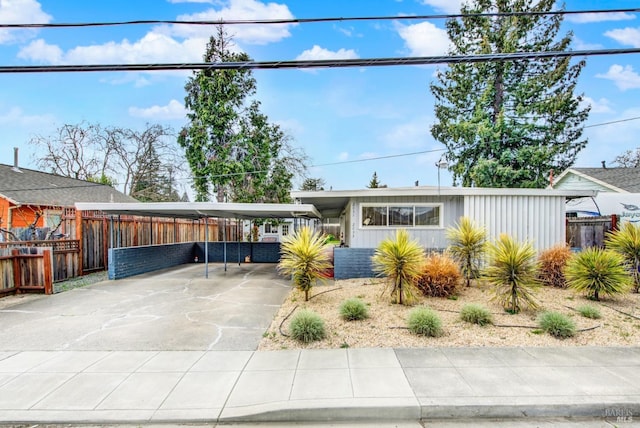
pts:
[430, 238]
[538, 219]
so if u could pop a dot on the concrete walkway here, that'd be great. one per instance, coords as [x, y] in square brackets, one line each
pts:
[102, 387]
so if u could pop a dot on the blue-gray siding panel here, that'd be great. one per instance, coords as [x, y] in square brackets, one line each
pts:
[129, 261]
[352, 263]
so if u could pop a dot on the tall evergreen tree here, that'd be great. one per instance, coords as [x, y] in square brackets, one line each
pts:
[508, 123]
[374, 183]
[229, 144]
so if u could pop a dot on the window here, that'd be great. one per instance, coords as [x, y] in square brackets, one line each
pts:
[267, 228]
[285, 229]
[396, 215]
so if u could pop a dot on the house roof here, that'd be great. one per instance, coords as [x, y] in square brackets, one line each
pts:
[332, 203]
[617, 179]
[22, 186]
[196, 210]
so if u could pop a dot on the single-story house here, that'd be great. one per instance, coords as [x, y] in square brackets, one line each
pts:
[618, 191]
[36, 199]
[368, 216]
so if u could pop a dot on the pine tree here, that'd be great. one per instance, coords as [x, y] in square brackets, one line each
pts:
[508, 123]
[374, 183]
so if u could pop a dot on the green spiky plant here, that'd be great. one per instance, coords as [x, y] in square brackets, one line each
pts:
[468, 244]
[302, 257]
[626, 242]
[513, 270]
[597, 271]
[400, 259]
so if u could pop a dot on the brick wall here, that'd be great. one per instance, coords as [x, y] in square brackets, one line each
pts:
[259, 252]
[129, 261]
[352, 263]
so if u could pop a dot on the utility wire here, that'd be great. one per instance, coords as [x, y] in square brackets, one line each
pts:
[334, 63]
[312, 20]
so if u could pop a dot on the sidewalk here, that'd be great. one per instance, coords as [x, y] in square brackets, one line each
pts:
[319, 385]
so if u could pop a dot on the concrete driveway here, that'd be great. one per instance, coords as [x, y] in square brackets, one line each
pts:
[175, 309]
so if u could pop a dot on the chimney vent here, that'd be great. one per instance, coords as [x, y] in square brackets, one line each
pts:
[15, 160]
[604, 165]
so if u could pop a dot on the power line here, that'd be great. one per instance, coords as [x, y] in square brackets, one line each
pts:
[317, 20]
[304, 64]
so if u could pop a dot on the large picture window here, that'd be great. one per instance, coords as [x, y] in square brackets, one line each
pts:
[401, 215]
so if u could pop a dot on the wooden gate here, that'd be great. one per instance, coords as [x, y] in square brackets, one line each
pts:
[25, 270]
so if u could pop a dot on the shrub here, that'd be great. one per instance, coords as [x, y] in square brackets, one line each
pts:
[307, 326]
[400, 260]
[557, 325]
[552, 262]
[597, 271]
[468, 244]
[513, 271]
[303, 257]
[626, 242]
[353, 309]
[476, 314]
[439, 277]
[589, 311]
[424, 322]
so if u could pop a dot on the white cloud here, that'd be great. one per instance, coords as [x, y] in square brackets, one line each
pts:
[446, 6]
[424, 39]
[579, 44]
[343, 156]
[20, 12]
[625, 36]
[190, 1]
[602, 105]
[16, 116]
[319, 53]
[240, 10]
[408, 135]
[623, 77]
[173, 110]
[584, 18]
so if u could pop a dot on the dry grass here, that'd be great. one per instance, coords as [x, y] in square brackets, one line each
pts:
[386, 325]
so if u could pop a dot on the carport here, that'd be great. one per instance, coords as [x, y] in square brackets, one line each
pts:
[197, 211]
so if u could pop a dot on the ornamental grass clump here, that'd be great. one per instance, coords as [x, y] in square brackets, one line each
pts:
[303, 257]
[513, 270]
[424, 322]
[557, 325]
[306, 326]
[626, 242]
[353, 309]
[440, 276]
[468, 244]
[400, 259]
[597, 272]
[476, 314]
[552, 262]
[589, 311]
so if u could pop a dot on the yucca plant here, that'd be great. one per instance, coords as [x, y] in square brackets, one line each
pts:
[400, 259]
[626, 241]
[552, 263]
[302, 257]
[468, 244]
[513, 270]
[597, 271]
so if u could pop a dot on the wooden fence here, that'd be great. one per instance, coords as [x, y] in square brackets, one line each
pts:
[25, 270]
[583, 232]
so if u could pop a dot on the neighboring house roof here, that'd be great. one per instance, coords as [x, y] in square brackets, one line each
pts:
[621, 180]
[331, 203]
[23, 186]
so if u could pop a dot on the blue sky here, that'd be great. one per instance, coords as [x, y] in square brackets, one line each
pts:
[342, 118]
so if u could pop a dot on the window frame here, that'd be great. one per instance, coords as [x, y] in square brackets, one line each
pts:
[412, 205]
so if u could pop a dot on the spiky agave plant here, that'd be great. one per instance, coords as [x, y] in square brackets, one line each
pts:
[513, 271]
[626, 242]
[303, 258]
[400, 259]
[468, 244]
[597, 271]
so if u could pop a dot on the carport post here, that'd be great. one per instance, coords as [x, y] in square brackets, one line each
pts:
[238, 235]
[206, 247]
[224, 238]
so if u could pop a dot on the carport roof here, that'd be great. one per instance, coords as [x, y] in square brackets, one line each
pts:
[196, 210]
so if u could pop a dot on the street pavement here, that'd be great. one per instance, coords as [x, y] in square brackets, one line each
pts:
[177, 348]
